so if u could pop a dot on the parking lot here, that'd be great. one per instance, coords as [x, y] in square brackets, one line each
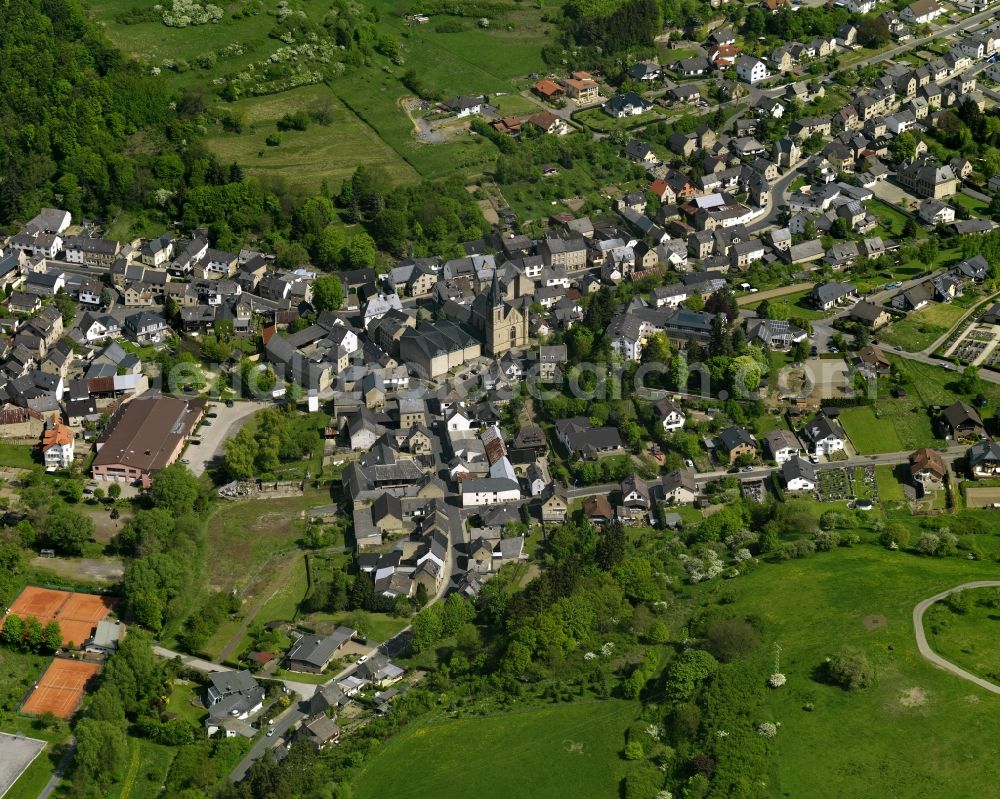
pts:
[213, 432]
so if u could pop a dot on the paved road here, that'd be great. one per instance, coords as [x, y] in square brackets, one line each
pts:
[949, 455]
[64, 764]
[930, 654]
[213, 435]
[284, 721]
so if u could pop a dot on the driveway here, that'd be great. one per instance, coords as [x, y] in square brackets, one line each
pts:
[213, 432]
[930, 654]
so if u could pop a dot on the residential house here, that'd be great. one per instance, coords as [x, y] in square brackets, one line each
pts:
[58, 445]
[146, 327]
[671, 415]
[597, 510]
[678, 487]
[870, 315]
[582, 90]
[580, 438]
[935, 212]
[781, 445]
[824, 434]
[872, 362]
[921, 12]
[625, 105]
[751, 69]
[313, 653]
[233, 696]
[829, 295]
[983, 459]
[735, 442]
[797, 474]
[961, 421]
[927, 470]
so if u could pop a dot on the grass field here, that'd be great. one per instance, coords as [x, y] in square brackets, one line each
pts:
[922, 328]
[321, 152]
[971, 204]
[888, 217]
[34, 778]
[375, 130]
[971, 639]
[889, 488]
[799, 304]
[557, 750]
[243, 535]
[929, 733]
[868, 433]
[374, 626]
[16, 455]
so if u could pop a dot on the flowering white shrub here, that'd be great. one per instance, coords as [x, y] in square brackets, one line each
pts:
[742, 555]
[664, 794]
[187, 12]
[776, 680]
[722, 733]
[607, 649]
[589, 656]
[154, 71]
[767, 729]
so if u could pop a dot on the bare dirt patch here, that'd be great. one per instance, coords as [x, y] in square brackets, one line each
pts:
[108, 570]
[105, 528]
[913, 697]
[982, 497]
[875, 621]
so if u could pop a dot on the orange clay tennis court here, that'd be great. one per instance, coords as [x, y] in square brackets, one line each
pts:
[77, 614]
[61, 688]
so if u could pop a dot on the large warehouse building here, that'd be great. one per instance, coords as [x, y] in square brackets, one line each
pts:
[145, 436]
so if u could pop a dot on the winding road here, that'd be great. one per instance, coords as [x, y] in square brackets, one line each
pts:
[930, 654]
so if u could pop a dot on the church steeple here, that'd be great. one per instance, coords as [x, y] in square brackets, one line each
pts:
[496, 292]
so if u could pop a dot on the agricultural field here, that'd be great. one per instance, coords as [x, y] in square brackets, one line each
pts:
[451, 55]
[863, 597]
[922, 328]
[966, 632]
[557, 750]
[868, 433]
[320, 153]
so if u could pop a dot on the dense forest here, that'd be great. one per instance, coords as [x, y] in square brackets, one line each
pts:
[71, 108]
[91, 132]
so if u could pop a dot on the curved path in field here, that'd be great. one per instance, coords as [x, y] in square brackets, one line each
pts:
[930, 654]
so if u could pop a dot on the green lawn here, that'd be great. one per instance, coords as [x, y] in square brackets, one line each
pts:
[556, 750]
[185, 702]
[868, 433]
[888, 217]
[16, 455]
[376, 627]
[971, 639]
[799, 305]
[920, 329]
[596, 119]
[928, 732]
[30, 784]
[971, 204]
[889, 487]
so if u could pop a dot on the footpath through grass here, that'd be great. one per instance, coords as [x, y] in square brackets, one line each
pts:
[555, 750]
[932, 726]
[969, 638]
